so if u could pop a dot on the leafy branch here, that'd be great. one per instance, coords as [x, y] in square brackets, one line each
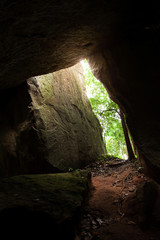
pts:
[111, 110]
[108, 114]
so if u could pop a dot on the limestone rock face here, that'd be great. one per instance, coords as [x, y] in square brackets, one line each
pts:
[71, 133]
[51, 125]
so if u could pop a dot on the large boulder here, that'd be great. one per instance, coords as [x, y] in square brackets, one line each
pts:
[71, 133]
[48, 125]
[46, 205]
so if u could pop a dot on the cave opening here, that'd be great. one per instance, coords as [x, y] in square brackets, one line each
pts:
[108, 113]
[116, 205]
[44, 135]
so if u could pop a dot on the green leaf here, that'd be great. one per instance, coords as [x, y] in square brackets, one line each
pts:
[107, 112]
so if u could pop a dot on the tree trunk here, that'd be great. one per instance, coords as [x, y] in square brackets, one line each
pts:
[126, 135]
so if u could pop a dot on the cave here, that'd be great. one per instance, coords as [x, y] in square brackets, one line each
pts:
[119, 39]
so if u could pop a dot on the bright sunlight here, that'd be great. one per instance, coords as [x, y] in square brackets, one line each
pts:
[107, 113]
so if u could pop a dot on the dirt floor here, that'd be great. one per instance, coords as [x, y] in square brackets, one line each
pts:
[115, 211]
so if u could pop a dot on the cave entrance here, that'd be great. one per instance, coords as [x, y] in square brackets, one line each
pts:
[108, 114]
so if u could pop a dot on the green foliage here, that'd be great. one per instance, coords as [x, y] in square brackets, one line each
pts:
[107, 157]
[107, 112]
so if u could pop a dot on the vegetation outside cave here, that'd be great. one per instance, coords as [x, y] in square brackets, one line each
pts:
[112, 120]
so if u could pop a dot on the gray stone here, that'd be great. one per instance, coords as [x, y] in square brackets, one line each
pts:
[48, 125]
[64, 119]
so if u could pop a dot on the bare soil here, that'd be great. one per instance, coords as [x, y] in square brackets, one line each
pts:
[113, 211]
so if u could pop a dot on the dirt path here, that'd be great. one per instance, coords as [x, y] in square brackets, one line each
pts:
[113, 212]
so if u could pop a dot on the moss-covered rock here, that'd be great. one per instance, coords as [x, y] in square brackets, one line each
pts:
[45, 202]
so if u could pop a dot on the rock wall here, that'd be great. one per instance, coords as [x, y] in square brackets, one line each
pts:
[21, 149]
[64, 118]
[47, 125]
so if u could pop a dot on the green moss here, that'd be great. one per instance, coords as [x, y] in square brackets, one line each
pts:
[58, 194]
[46, 86]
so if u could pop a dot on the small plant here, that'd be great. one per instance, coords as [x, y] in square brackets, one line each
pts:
[106, 157]
[139, 168]
[137, 164]
[70, 169]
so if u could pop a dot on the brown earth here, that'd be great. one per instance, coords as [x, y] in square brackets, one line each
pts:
[117, 208]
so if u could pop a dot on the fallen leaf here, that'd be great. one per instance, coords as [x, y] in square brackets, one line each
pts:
[131, 223]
